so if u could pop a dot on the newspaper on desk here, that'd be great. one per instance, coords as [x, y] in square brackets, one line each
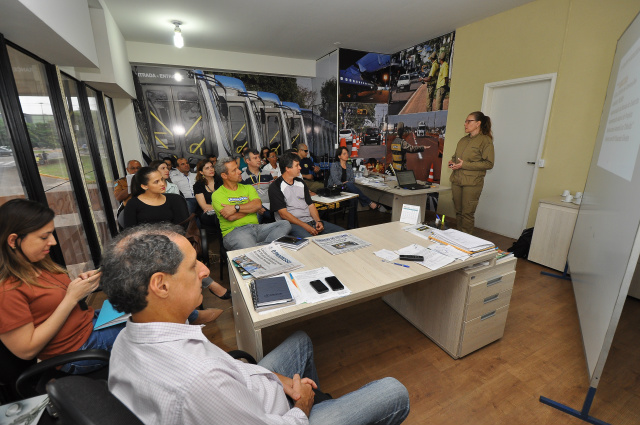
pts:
[268, 261]
[340, 243]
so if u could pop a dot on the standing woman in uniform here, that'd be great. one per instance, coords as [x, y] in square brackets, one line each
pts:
[473, 157]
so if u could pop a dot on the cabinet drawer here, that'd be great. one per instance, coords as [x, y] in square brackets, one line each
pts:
[482, 330]
[487, 305]
[489, 272]
[480, 290]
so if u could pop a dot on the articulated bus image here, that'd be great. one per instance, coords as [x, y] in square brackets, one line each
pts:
[204, 114]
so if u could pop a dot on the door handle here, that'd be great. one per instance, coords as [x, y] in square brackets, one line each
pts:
[531, 162]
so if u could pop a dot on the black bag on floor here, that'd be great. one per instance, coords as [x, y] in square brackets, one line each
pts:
[520, 248]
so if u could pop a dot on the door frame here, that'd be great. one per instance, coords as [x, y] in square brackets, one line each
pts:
[487, 105]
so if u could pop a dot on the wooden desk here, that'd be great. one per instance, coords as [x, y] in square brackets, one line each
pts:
[395, 197]
[552, 232]
[443, 303]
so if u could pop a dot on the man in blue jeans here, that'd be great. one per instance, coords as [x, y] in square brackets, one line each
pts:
[236, 205]
[291, 201]
[167, 372]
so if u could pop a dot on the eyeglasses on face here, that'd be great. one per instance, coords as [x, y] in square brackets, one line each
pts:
[468, 121]
[304, 150]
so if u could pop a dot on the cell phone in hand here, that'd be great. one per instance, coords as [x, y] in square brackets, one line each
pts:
[319, 287]
[334, 283]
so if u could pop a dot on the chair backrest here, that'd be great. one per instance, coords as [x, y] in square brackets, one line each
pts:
[12, 367]
[83, 401]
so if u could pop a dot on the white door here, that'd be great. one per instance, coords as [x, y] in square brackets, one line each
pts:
[519, 111]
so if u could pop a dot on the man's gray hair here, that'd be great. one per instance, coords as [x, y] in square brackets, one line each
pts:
[129, 261]
[221, 165]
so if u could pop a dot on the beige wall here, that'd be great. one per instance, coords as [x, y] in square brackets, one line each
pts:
[575, 39]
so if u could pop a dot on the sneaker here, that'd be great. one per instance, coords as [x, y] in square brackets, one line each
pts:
[382, 209]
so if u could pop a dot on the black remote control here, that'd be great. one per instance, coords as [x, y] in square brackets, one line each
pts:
[412, 258]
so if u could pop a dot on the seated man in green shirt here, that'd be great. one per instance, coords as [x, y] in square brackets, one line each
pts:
[236, 205]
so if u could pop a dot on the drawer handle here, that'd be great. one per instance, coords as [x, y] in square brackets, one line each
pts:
[490, 298]
[488, 315]
[494, 281]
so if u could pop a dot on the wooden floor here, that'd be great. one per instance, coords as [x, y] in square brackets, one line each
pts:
[541, 353]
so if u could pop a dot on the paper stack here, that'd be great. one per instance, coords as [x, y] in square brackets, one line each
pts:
[462, 241]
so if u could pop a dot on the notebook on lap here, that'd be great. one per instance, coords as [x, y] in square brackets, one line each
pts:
[407, 180]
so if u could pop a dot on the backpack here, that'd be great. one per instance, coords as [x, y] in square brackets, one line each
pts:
[520, 248]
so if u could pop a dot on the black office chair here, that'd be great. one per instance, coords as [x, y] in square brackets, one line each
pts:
[27, 378]
[78, 400]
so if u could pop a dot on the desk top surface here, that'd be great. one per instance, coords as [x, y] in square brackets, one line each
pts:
[361, 271]
[333, 199]
[557, 200]
[392, 187]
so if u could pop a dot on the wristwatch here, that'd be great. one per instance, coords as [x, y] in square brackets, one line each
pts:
[237, 208]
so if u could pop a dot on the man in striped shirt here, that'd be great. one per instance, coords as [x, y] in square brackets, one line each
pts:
[167, 372]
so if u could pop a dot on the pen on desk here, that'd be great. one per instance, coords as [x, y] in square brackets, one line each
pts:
[294, 281]
[397, 264]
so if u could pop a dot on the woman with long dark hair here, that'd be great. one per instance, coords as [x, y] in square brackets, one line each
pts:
[474, 155]
[39, 312]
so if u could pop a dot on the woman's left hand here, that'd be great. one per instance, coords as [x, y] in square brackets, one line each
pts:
[87, 275]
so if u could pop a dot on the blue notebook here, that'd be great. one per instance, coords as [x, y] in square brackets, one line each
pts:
[109, 316]
[270, 292]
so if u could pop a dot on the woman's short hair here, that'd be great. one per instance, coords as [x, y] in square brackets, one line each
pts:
[339, 151]
[23, 216]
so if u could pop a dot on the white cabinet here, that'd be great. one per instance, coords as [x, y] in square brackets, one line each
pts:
[552, 232]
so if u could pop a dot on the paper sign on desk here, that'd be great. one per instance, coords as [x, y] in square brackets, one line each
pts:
[410, 214]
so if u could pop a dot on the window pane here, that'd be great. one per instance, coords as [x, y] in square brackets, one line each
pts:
[109, 175]
[11, 185]
[111, 116]
[35, 102]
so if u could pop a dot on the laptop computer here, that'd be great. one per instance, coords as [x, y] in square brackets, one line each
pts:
[407, 180]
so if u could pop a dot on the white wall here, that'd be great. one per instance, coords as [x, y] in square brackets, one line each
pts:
[57, 31]
[126, 121]
[191, 57]
[114, 75]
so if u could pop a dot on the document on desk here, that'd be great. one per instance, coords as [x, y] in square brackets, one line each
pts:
[420, 230]
[432, 260]
[303, 282]
[449, 251]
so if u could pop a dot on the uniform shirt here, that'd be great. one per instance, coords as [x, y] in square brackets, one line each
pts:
[170, 374]
[294, 197]
[306, 167]
[32, 304]
[260, 183]
[242, 195]
[478, 156]
[443, 75]
[185, 183]
[433, 73]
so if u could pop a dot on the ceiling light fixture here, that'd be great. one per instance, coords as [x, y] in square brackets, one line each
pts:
[178, 41]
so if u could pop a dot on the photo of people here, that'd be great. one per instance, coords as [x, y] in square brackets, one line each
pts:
[420, 75]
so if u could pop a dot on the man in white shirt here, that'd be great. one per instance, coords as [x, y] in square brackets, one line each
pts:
[185, 179]
[260, 181]
[168, 373]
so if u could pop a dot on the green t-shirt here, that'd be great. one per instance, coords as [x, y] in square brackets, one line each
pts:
[240, 196]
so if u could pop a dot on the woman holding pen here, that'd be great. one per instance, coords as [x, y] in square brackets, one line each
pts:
[474, 155]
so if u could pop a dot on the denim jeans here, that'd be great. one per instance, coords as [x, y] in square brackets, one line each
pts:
[251, 235]
[300, 232]
[192, 205]
[385, 401]
[102, 339]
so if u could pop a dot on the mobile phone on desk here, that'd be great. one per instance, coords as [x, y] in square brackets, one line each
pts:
[318, 286]
[334, 283]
